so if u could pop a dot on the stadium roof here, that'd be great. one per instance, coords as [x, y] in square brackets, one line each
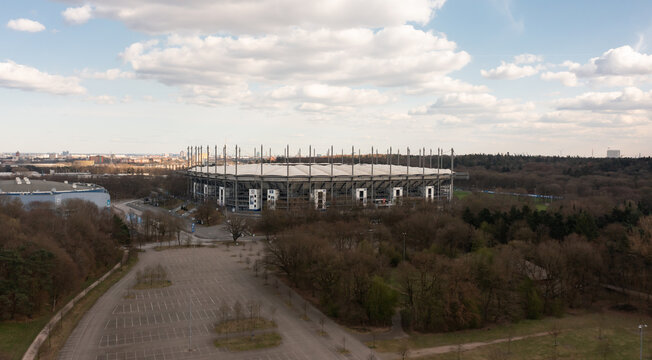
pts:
[302, 170]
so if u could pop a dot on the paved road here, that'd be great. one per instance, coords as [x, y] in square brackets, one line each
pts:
[154, 324]
[201, 234]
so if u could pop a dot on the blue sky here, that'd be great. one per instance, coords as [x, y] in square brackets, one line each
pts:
[482, 76]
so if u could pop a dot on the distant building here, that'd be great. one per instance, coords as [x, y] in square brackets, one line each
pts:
[28, 191]
[83, 163]
[613, 153]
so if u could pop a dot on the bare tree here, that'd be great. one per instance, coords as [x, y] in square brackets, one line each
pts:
[237, 226]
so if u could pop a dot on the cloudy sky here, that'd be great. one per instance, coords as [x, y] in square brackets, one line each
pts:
[482, 76]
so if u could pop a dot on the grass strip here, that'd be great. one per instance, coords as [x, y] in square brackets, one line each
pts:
[152, 285]
[245, 343]
[234, 326]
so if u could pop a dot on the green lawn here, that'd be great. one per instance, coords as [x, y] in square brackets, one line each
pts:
[578, 339]
[17, 336]
[541, 207]
[461, 194]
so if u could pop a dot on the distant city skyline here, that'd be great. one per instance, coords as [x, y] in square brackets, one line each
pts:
[480, 76]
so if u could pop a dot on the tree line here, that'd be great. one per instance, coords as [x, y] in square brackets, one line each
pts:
[483, 260]
[47, 252]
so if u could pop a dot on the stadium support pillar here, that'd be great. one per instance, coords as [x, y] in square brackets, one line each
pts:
[208, 177]
[235, 190]
[309, 172]
[287, 178]
[352, 173]
[373, 194]
[262, 192]
[450, 194]
[331, 158]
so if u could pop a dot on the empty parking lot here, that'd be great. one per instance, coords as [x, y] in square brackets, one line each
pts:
[176, 322]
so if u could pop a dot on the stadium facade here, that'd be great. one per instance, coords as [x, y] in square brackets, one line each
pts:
[260, 183]
[29, 191]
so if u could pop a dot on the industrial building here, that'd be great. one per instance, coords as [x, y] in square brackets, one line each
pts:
[28, 191]
[262, 184]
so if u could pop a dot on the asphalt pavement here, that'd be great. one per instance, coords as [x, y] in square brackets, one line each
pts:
[158, 323]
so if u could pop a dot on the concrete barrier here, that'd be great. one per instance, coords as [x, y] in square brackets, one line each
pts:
[32, 351]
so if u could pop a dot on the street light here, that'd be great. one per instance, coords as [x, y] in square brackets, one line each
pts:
[640, 330]
[404, 234]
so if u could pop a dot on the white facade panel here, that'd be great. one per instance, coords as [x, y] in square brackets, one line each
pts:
[255, 200]
[428, 192]
[361, 196]
[221, 196]
[272, 197]
[397, 194]
[320, 199]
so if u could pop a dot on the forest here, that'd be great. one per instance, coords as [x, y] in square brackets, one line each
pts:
[49, 253]
[482, 259]
[139, 186]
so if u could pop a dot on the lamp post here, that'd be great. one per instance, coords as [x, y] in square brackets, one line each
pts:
[404, 234]
[640, 330]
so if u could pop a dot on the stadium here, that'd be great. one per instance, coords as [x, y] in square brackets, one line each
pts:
[263, 184]
[29, 191]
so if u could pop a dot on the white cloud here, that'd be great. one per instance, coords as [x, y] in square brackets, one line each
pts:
[619, 61]
[78, 15]
[622, 66]
[445, 84]
[237, 93]
[574, 122]
[329, 95]
[527, 59]
[111, 74]
[103, 99]
[17, 76]
[392, 57]
[630, 108]
[25, 25]
[510, 71]
[480, 107]
[565, 77]
[629, 98]
[254, 17]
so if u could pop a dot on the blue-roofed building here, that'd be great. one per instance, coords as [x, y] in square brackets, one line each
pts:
[28, 191]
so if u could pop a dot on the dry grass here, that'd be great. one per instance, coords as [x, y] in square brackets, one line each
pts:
[255, 342]
[579, 338]
[234, 326]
